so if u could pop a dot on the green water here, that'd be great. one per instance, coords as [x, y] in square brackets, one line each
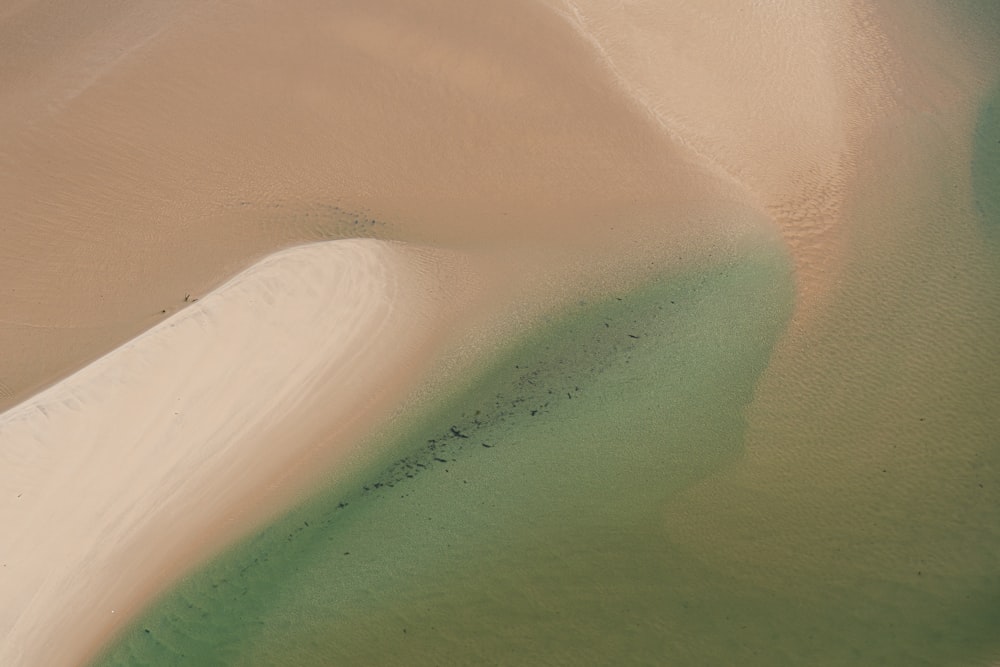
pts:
[518, 523]
[986, 164]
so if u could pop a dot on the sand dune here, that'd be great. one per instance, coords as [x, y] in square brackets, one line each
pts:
[151, 150]
[111, 475]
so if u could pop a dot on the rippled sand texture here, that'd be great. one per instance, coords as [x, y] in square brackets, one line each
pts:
[776, 98]
[720, 276]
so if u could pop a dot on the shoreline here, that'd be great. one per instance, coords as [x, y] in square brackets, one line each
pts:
[132, 463]
[510, 161]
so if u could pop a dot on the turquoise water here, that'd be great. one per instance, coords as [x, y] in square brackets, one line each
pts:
[518, 523]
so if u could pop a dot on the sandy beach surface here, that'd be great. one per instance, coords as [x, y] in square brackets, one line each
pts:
[152, 150]
[115, 471]
[417, 183]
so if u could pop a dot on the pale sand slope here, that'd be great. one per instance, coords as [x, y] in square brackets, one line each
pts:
[108, 478]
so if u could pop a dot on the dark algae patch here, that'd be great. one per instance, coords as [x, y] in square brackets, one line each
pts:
[518, 522]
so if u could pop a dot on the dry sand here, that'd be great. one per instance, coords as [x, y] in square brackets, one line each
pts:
[150, 150]
[109, 475]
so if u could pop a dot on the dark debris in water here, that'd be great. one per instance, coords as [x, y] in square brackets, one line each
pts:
[536, 388]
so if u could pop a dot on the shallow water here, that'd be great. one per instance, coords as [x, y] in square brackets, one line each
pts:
[519, 522]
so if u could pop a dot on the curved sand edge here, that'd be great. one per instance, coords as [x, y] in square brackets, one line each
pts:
[774, 100]
[109, 476]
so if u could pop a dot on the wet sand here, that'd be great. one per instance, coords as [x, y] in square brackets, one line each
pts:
[552, 152]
